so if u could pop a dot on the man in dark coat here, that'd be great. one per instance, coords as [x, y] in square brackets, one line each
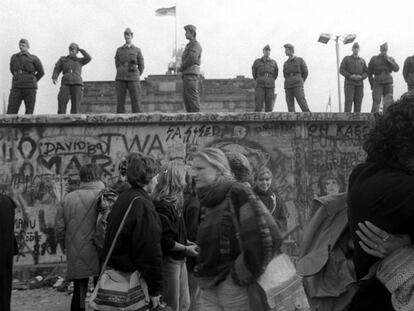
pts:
[408, 72]
[26, 69]
[295, 72]
[72, 84]
[379, 76]
[190, 70]
[8, 249]
[265, 72]
[129, 64]
[354, 69]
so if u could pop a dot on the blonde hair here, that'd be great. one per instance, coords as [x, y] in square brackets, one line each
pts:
[217, 159]
[171, 182]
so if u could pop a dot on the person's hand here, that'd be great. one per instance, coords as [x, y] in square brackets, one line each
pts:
[191, 250]
[353, 77]
[54, 81]
[190, 243]
[379, 243]
[358, 77]
[156, 301]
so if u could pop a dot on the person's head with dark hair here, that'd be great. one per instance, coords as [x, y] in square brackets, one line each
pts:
[90, 173]
[240, 166]
[391, 139]
[141, 170]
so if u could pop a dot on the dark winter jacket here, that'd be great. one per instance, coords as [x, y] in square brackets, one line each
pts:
[384, 195]
[139, 244]
[173, 228]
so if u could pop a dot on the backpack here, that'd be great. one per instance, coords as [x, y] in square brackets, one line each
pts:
[104, 203]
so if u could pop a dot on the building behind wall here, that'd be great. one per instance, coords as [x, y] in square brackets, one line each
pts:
[163, 93]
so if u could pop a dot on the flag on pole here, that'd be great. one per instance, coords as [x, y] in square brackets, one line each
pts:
[165, 11]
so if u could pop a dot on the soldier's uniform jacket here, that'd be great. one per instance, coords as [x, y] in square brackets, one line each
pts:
[408, 70]
[380, 68]
[265, 71]
[71, 68]
[354, 65]
[26, 70]
[129, 63]
[295, 72]
[191, 58]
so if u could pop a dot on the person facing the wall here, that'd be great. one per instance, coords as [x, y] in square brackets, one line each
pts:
[265, 72]
[75, 227]
[72, 84]
[27, 70]
[190, 70]
[129, 64]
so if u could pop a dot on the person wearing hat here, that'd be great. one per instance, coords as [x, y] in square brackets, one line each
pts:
[295, 72]
[190, 70]
[265, 72]
[408, 72]
[26, 69]
[354, 69]
[72, 84]
[129, 64]
[379, 76]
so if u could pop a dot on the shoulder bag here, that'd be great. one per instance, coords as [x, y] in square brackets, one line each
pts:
[120, 291]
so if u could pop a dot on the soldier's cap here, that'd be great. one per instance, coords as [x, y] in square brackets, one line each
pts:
[73, 46]
[384, 47]
[25, 41]
[190, 28]
[266, 48]
[355, 45]
[289, 46]
[128, 30]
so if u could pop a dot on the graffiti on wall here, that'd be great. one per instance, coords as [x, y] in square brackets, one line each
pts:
[39, 165]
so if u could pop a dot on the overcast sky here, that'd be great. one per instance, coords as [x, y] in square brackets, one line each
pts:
[231, 32]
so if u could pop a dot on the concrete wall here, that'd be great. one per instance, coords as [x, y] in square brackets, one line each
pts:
[163, 93]
[40, 157]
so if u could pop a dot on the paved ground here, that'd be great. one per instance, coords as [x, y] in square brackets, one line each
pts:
[42, 299]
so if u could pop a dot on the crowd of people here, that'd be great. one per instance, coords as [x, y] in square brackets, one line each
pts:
[27, 70]
[179, 232]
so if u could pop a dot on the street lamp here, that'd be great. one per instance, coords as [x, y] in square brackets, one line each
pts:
[324, 38]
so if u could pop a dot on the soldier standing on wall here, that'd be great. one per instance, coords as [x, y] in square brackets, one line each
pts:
[190, 70]
[354, 69]
[72, 84]
[26, 70]
[265, 72]
[129, 64]
[408, 72]
[295, 72]
[379, 75]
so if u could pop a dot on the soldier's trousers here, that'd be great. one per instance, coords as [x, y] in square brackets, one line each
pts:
[191, 95]
[72, 92]
[134, 89]
[17, 96]
[299, 93]
[353, 94]
[379, 91]
[266, 95]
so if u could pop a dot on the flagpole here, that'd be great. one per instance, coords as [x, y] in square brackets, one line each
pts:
[176, 51]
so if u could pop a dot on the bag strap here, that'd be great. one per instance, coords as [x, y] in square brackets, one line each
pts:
[121, 226]
[235, 220]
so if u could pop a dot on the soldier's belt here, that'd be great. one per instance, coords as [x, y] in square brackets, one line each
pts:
[267, 75]
[292, 74]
